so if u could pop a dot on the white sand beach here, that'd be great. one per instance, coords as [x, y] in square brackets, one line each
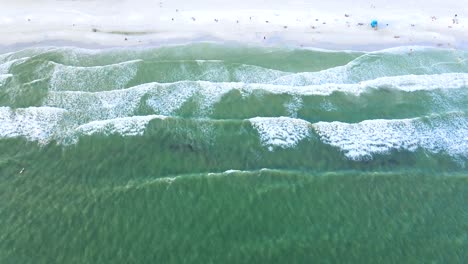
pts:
[331, 24]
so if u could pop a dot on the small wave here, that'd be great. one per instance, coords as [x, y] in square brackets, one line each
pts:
[173, 178]
[374, 65]
[407, 83]
[411, 83]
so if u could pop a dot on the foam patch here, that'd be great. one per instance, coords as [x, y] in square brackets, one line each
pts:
[4, 78]
[87, 106]
[41, 124]
[411, 83]
[127, 126]
[5, 67]
[255, 74]
[335, 75]
[381, 64]
[293, 106]
[283, 132]
[408, 83]
[447, 133]
[91, 79]
[166, 99]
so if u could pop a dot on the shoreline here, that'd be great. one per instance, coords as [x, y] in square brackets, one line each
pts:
[4, 49]
[140, 23]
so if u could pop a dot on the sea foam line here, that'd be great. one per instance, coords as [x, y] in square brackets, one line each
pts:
[5, 67]
[45, 124]
[437, 133]
[40, 124]
[446, 133]
[95, 78]
[283, 132]
[166, 99]
[126, 126]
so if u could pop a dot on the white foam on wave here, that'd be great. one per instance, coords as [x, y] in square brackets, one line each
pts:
[283, 132]
[411, 83]
[126, 126]
[404, 50]
[369, 66]
[88, 106]
[255, 74]
[96, 78]
[5, 67]
[337, 75]
[35, 81]
[407, 83]
[41, 124]
[328, 106]
[217, 73]
[167, 101]
[221, 71]
[44, 124]
[4, 77]
[293, 105]
[447, 133]
[24, 53]
[164, 99]
[211, 93]
[79, 56]
[168, 98]
[5, 57]
[230, 171]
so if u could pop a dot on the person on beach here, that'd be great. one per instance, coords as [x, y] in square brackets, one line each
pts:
[455, 19]
[374, 24]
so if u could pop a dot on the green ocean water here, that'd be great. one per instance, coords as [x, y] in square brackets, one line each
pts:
[210, 153]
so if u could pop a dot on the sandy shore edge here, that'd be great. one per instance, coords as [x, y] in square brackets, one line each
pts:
[332, 25]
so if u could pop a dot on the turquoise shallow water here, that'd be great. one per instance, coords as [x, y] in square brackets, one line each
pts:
[209, 153]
